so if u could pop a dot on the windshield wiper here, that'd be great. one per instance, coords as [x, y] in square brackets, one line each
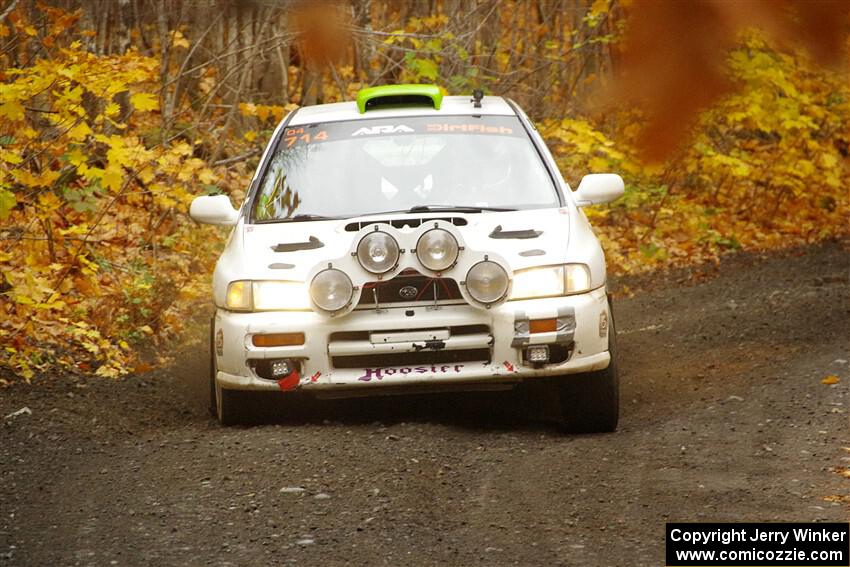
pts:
[300, 218]
[455, 209]
[443, 209]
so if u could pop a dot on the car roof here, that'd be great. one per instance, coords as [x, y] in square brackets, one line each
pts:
[451, 106]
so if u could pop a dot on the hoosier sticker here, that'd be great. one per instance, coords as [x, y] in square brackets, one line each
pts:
[381, 373]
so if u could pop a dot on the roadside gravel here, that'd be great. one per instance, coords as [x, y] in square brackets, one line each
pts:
[724, 418]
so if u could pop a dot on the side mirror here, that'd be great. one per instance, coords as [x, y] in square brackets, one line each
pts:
[214, 209]
[597, 188]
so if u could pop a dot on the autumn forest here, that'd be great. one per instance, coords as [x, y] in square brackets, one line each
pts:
[730, 123]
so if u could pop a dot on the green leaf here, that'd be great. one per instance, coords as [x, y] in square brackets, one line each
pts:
[426, 68]
[7, 203]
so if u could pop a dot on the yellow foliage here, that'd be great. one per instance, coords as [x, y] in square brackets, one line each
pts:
[766, 168]
[94, 208]
[98, 255]
[144, 102]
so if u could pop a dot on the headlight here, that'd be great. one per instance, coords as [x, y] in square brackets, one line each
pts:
[437, 249]
[246, 295]
[331, 289]
[287, 296]
[550, 281]
[487, 282]
[377, 252]
[577, 277]
[239, 296]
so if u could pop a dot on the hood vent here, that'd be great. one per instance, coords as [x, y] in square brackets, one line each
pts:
[534, 252]
[401, 223]
[519, 234]
[311, 244]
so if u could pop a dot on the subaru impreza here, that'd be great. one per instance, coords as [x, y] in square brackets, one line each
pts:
[412, 242]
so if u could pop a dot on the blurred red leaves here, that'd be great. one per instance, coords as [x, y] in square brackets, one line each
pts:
[323, 29]
[672, 63]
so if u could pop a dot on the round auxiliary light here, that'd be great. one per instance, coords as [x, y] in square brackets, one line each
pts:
[331, 290]
[437, 249]
[487, 282]
[378, 252]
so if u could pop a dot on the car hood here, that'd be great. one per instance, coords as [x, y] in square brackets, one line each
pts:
[290, 250]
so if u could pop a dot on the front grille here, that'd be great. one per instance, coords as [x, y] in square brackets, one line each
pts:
[454, 331]
[466, 343]
[411, 358]
[469, 329]
[409, 287]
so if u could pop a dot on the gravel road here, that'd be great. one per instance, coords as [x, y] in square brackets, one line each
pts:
[724, 418]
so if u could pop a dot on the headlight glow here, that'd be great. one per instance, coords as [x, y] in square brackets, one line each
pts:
[538, 282]
[331, 290]
[280, 295]
[246, 295]
[578, 278]
[437, 249]
[550, 281]
[378, 252]
[487, 282]
[239, 296]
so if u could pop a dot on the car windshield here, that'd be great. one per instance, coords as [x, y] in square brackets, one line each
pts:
[353, 168]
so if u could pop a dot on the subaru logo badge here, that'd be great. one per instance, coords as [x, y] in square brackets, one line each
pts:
[408, 292]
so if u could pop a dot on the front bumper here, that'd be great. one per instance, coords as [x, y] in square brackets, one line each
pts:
[484, 348]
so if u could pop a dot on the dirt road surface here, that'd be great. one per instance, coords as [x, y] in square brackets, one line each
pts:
[724, 418]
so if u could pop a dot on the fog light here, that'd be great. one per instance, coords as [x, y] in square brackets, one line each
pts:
[280, 368]
[437, 249]
[487, 282]
[331, 290]
[537, 354]
[378, 252]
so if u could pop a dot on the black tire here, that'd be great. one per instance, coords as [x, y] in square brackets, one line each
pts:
[231, 406]
[590, 402]
[212, 370]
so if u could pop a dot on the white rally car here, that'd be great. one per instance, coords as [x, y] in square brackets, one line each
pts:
[412, 242]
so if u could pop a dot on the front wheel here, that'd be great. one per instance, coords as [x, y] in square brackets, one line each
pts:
[228, 406]
[212, 371]
[231, 405]
[590, 402]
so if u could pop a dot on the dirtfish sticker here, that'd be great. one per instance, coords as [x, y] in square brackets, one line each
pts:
[381, 373]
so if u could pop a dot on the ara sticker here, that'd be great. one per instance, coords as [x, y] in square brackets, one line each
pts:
[509, 366]
[315, 376]
[383, 129]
